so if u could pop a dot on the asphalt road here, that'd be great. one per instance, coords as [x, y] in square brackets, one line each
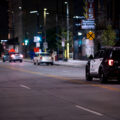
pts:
[29, 92]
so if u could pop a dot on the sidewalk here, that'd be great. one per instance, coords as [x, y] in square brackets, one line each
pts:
[73, 63]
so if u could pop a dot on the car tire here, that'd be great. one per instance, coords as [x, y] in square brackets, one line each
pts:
[10, 61]
[3, 60]
[103, 78]
[38, 63]
[51, 63]
[88, 76]
[21, 61]
[47, 64]
[34, 62]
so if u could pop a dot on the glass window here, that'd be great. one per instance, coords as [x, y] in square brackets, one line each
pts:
[97, 55]
[116, 54]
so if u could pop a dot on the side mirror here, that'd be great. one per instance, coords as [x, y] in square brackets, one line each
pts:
[91, 57]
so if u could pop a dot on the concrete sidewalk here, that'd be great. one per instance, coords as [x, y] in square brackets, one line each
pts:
[73, 63]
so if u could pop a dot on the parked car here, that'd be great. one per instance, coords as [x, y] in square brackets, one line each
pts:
[104, 65]
[42, 57]
[12, 57]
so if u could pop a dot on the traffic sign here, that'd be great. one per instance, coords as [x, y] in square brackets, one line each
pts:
[90, 35]
[45, 45]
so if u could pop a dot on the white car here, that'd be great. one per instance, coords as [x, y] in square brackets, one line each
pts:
[12, 57]
[42, 57]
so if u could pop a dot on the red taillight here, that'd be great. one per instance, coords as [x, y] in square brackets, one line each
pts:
[40, 58]
[110, 62]
[12, 56]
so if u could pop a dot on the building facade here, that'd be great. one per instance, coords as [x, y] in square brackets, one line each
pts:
[3, 25]
[103, 13]
[15, 35]
[3, 20]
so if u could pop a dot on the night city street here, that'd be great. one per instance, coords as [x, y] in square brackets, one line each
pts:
[59, 59]
[29, 92]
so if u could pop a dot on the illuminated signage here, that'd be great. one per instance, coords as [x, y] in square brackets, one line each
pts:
[90, 22]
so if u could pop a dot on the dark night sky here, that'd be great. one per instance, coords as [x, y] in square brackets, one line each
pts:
[49, 4]
[3, 20]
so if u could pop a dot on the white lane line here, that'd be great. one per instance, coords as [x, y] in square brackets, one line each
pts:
[23, 86]
[88, 110]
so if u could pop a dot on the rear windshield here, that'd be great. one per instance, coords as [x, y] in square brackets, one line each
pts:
[15, 53]
[115, 54]
[43, 54]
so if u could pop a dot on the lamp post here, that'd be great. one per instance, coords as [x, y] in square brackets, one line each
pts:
[45, 43]
[38, 15]
[67, 21]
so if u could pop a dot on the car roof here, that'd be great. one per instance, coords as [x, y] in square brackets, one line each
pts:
[111, 48]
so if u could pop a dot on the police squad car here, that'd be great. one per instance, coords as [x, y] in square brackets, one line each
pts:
[104, 65]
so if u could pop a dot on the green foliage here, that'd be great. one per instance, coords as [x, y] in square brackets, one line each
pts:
[51, 39]
[63, 35]
[108, 36]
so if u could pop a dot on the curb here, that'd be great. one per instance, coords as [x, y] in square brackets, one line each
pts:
[60, 63]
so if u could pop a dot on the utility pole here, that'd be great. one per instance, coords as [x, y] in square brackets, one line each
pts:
[67, 17]
[57, 29]
[45, 26]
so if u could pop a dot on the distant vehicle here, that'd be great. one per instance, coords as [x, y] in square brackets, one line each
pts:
[12, 57]
[105, 65]
[42, 57]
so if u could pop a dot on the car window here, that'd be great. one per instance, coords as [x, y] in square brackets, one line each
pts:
[97, 55]
[115, 54]
[102, 54]
[36, 55]
[43, 54]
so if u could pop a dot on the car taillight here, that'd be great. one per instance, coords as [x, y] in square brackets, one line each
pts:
[21, 56]
[110, 62]
[40, 58]
[12, 56]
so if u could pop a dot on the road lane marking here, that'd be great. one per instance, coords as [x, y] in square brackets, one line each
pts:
[64, 78]
[106, 87]
[23, 86]
[88, 110]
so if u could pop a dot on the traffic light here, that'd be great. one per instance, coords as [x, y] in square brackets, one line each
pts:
[26, 41]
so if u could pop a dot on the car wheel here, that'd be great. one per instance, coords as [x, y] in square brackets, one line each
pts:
[88, 77]
[10, 61]
[34, 62]
[47, 63]
[21, 61]
[51, 63]
[3, 60]
[38, 63]
[103, 78]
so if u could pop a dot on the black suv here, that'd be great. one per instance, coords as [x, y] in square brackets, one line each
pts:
[105, 64]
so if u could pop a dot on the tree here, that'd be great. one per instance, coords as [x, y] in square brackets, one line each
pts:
[63, 36]
[108, 36]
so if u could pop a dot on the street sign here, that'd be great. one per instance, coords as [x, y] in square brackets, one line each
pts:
[90, 35]
[63, 42]
[37, 38]
[37, 44]
[45, 45]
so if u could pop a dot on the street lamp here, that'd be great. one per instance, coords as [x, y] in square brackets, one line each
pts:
[45, 42]
[38, 23]
[67, 16]
[45, 22]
